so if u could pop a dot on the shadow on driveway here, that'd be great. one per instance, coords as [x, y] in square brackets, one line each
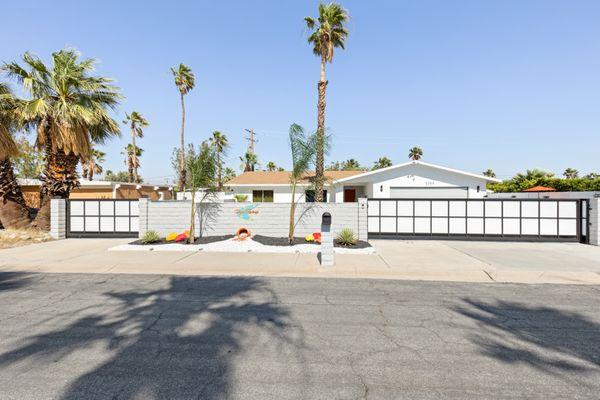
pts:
[175, 342]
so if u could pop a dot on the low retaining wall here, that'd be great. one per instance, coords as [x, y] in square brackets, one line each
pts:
[269, 219]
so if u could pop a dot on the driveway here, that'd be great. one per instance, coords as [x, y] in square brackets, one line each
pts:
[117, 336]
[410, 260]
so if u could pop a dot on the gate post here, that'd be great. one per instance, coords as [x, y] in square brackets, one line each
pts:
[363, 231]
[58, 218]
[594, 222]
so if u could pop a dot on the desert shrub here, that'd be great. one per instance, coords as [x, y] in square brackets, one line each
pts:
[346, 237]
[240, 198]
[150, 237]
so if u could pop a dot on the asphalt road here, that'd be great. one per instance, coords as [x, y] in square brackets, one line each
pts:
[71, 336]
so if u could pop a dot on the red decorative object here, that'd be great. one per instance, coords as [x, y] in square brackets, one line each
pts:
[242, 234]
[317, 236]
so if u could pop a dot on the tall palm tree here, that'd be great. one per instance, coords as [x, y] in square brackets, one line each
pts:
[271, 166]
[571, 173]
[249, 161]
[489, 173]
[415, 153]
[93, 165]
[69, 108]
[132, 160]
[220, 143]
[14, 212]
[185, 81]
[328, 31]
[383, 162]
[137, 123]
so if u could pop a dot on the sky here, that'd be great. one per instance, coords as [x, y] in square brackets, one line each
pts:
[508, 84]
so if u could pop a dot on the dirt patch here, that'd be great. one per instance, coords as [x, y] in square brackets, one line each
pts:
[283, 241]
[22, 237]
[200, 240]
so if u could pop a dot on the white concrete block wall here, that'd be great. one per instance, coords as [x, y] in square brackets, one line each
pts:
[269, 219]
[58, 218]
[594, 222]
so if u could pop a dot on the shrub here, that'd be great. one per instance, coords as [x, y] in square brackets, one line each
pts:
[240, 198]
[346, 237]
[150, 237]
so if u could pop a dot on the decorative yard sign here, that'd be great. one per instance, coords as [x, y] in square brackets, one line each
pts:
[245, 213]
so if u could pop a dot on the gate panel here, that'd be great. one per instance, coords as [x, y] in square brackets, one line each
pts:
[102, 218]
[481, 219]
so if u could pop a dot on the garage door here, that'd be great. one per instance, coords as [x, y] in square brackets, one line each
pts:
[429, 193]
[482, 219]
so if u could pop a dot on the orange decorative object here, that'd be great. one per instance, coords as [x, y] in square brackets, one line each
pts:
[242, 234]
[317, 237]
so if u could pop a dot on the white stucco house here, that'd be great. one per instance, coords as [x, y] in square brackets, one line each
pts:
[414, 179]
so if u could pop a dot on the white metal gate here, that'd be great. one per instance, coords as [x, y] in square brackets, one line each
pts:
[102, 218]
[497, 219]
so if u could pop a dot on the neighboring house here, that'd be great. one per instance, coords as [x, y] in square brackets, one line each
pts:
[414, 179]
[99, 190]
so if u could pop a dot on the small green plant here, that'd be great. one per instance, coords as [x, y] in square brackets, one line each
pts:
[240, 198]
[346, 237]
[150, 237]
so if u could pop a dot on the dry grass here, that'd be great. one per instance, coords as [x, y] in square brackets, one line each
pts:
[22, 237]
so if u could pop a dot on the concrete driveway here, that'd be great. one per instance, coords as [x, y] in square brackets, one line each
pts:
[411, 260]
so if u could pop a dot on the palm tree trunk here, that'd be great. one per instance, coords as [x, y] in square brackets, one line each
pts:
[14, 212]
[292, 214]
[320, 161]
[60, 177]
[219, 172]
[182, 171]
[130, 168]
[191, 238]
[135, 171]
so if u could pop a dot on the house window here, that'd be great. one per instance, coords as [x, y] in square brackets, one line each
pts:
[310, 196]
[262, 196]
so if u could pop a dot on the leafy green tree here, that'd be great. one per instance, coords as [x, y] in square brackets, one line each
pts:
[203, 175]
[415, 153]
[220, 143]
[271, 166]
[120, 176]
[185, 81]
[351, 165]
[535, 177]
[228, 174]
[334, 166]
[592, 175]
[327, 32]
[29, 162]
[303, 155]
[489, 173]
[137, 123]
[383, 162]
[69, 108]
[571, 173]
[176, 159]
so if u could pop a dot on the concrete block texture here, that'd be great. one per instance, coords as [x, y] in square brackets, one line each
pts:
[58, 218]
[269, 219]
[594, 222]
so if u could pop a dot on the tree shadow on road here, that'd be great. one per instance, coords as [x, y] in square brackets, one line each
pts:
[13, 280]
[180, 340]
[545, 338]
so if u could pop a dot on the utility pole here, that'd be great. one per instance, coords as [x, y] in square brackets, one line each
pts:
[251, 140]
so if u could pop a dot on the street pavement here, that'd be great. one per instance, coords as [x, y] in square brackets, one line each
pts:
[119, 336]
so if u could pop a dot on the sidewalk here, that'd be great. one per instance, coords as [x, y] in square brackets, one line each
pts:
[418, 260]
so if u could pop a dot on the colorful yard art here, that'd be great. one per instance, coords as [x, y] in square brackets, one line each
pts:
[245, 213]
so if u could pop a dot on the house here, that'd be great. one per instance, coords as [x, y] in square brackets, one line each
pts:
[99, 190]
[413, 179]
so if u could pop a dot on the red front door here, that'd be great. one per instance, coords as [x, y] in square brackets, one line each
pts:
[349, 195]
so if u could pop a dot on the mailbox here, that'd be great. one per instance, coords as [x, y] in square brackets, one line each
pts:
[326, 219]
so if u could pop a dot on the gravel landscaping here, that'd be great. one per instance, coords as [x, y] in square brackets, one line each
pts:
[283, 241]
[200, 240]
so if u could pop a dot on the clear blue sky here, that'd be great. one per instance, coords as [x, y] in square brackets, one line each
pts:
[508, 85]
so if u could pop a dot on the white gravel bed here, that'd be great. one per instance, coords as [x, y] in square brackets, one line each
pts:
[234, 246]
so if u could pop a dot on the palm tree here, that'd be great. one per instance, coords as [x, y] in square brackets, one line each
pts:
[271, 166]
[185, 81]
[136, 123]
[489, 173]
[571, 173]
[249, 161]
[228, 174]
[220, 143]
[351, 165]
[14, 212]
[132, 160]
[383, 162]
[93, 164]
[415, 153]
[327, 33]
[69, 107]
